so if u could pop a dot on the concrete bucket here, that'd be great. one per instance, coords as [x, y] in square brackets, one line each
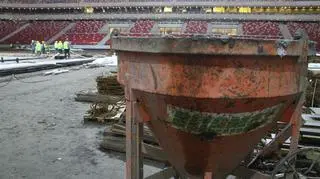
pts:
[209, 100]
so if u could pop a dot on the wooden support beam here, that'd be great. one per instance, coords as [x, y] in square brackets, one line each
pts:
[134, 134]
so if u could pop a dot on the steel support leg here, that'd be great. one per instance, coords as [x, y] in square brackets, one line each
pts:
[134, 133]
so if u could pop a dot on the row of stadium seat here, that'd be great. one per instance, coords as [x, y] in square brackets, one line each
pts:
[87, 32]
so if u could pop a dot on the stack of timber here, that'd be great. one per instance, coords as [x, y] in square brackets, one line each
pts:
[108, 104]
[313, 86]
[108, 85]
[310, 131]
[115, 140]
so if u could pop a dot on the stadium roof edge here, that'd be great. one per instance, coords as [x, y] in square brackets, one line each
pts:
[243, 3]
[224, 17]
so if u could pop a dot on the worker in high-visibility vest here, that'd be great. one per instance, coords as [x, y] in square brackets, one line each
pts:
[46, 48]
[43, 47]
[66, 49]
[38, 48]
[56, 45]
[60, 46]
[33, 46]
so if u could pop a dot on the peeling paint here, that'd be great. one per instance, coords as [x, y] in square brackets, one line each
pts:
[221, 124]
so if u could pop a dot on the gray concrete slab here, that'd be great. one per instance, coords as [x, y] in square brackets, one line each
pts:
[42, 135]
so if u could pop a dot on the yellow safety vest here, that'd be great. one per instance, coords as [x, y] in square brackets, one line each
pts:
[38, 47]
[60, 45]
[66, 45]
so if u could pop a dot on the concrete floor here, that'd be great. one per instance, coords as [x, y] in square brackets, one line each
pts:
[42, 134]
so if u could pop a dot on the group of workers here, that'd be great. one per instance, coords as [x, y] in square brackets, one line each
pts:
[42, 48]
[63, 47]
[39, 48]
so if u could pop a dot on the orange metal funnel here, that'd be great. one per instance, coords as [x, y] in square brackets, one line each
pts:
[210, 100]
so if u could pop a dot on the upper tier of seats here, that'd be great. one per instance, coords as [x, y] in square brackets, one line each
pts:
[39, 30]
[197, 27]
[9, 26]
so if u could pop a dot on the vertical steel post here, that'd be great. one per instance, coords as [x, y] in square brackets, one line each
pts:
[134, 133]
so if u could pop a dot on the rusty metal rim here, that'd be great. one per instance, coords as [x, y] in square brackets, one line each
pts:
[207, 45]
[198, 35]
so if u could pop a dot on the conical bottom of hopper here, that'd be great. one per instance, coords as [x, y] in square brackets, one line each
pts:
[193, 156]
[194, 153]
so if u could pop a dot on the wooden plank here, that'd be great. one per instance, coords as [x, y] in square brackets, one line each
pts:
[97, 98]
[275, 143]
[310, 131]
[244, 172]
[123, 133]
[166, 173]
[123, 127]
[149, 151]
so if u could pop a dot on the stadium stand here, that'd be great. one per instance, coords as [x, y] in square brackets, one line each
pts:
[38, 30]
[197, 27]
[261, 28]
[10, 26]
[85, 33]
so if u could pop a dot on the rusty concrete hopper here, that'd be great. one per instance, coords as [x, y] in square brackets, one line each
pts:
[209, 100]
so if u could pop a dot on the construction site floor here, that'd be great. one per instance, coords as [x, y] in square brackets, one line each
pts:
[42, 134]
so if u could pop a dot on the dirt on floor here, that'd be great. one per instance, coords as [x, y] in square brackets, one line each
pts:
[42, 134]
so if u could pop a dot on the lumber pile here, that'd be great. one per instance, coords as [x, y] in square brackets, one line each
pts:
[115, 140]
[313, 90]
[107, 103]
[108, 85]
